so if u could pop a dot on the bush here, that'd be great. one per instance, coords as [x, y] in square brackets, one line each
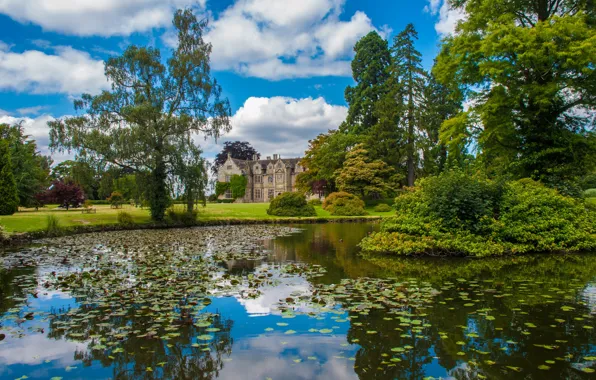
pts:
[315, 202]
[344, 204]
[184, 217]
[509, 218]
[53, 227]
[290, 204]
[125, 218]
[116, 199]
[590, 193]
[212, 198]
[225, 201]
[383, 207]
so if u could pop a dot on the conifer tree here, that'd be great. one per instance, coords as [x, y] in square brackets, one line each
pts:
[9, 198]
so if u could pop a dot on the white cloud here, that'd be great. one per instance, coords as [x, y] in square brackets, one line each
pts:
[95, 17]
[281, 125]
[68, 71]
[36, 110]
[448, 16]
[275, 40]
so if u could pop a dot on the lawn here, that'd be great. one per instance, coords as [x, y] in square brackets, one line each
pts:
[28, 220]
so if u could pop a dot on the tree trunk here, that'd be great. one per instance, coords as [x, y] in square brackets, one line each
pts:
[159, 193]
[411, 150]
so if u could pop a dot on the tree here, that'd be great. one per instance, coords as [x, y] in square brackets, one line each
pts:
[9, 198]
[137, 124]
[80, 172]
[116, 199]
[30, 169]
[369, 69]
[325, 154]
[191, 170]
[406, 68]
[67, 194]
[439, 104]
[366, 178]
[241, 150]
[527, 69]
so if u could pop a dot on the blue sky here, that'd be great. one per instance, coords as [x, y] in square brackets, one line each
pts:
[283, 64]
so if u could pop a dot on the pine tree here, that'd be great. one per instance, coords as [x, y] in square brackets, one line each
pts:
[406, 68]
[9, 198]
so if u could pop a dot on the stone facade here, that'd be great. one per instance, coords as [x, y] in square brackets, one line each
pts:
[266, 179]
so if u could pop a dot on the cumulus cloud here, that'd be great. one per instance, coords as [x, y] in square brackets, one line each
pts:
[96, 17]
[281, 125]
[275, 40]
[67, 71]
[448, 17]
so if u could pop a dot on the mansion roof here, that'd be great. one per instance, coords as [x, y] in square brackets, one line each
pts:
[289, 162]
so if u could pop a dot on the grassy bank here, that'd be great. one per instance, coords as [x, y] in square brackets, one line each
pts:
[29, 220]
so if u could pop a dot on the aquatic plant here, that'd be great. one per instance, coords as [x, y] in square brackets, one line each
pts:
[53, 227]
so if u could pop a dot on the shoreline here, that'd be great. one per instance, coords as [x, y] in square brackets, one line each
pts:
[20, 238]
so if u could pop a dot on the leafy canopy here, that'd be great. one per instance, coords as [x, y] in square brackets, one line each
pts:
[151, 105]
[241, 150]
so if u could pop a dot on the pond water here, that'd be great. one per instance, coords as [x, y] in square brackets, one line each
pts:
[277, 302]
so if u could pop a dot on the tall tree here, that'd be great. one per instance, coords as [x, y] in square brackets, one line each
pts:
[241, 150]
[527, 69]
[191, 170]
[406, 68]
[136, 125]
[9, 198]
[439, 104]
[30, 169]
[369, 69]
[80, 172]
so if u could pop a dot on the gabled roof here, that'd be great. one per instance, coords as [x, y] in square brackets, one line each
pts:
[244, 164]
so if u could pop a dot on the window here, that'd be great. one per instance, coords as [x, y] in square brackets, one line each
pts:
[270, 179]
[227, 178]
[258, 194]
[258, 179]
[228, 194]
[270, 193]
[229, 167]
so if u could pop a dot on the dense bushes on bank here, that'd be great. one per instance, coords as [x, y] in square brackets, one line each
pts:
[344, 204]
[290, 204]
[461, 214]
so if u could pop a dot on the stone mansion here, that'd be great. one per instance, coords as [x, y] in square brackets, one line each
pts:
[266, 179]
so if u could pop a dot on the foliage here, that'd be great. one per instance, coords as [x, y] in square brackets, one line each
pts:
[241, 150]
[191, 171]
[369, 179]
[527, 69]
[383, 207]
[212, 198]
[315, 202]
[344, 204]
[9, 198]
[238, 186]
[406, 68]
[29, 168]
[221, 188]
[369, 70]
[53, 227]
[484, 218]
[290, 204]
[590, 193]
[116, 199]
[152, 105]
[65, 193]
[184, 217]
[325, 154]
[125, 218]
[80, 172]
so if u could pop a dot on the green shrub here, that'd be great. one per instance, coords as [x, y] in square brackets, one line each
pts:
[53, 227]
[116, 199]
[383, 207]
[510, 218]
[590, 193]
[125, 218]
[344, 204]
[225, 201]
[315, 202]
[290, 204]
[180, 216]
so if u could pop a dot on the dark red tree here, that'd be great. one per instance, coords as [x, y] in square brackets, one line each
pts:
[241, 150]
[65, 193]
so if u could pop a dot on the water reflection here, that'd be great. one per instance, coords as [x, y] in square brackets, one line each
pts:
[299, 306]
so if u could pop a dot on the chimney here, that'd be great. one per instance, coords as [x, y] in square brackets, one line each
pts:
[229, 155]
[269, 157]
[275, 156]
[254, 157]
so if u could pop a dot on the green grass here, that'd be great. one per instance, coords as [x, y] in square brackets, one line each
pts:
[29, 220]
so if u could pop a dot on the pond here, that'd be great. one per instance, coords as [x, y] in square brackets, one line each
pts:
[279, 302]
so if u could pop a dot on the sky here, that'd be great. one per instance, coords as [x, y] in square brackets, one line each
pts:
[283, 64]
